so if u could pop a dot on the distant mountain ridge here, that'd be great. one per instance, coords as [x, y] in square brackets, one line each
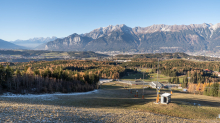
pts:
[9, 45]
[37, 39]
[155, 38]
[34, 42]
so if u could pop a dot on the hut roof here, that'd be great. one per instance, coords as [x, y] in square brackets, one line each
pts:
[165, 94]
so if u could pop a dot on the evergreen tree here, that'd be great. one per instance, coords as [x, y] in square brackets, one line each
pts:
[25, 68]
[2, 75]
[18, 72]
[186, 79]
[47, 73]
[177, 80]
[8, 77]
[219, 91]
[36, 71]
[208, 93]
[173, 80]
[169, 80]
[214, 90]
[205, 91]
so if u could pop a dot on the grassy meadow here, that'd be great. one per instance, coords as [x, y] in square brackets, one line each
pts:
[148, 76]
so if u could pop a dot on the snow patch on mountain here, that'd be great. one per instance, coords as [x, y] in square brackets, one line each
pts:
[216, 26]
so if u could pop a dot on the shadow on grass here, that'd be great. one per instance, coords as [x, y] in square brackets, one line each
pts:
[111, 87]
[196, 102]
[120, 98]
[136, 75]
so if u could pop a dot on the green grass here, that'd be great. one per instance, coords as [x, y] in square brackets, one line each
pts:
[135, 76]
[139, 75]
[148, 77]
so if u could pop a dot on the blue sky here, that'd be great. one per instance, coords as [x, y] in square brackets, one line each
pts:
[24, 19]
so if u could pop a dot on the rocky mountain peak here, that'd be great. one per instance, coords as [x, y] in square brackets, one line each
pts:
[102, 31]
[73, 35]
[216, 26]
[160, 38]
[173, 28]
[111, 28]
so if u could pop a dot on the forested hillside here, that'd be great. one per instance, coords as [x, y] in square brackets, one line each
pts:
[83, 75]
[163, 56]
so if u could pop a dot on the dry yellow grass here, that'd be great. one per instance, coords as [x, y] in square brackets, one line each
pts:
[183, 104]
[113, 103]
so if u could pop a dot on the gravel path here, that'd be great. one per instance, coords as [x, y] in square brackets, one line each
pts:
[15, 112]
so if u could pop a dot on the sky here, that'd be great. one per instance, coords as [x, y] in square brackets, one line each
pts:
[25, 19]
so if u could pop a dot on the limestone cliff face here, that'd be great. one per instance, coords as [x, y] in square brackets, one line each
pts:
[73, 42]
[180, 38]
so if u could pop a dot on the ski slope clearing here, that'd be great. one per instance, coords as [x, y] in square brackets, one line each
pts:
[111, 103]
[45, 96]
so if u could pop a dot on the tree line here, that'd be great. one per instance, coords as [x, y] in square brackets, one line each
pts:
[29, 81]
[103, 69]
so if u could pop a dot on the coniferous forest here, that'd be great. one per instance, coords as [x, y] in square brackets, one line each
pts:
[83, 75]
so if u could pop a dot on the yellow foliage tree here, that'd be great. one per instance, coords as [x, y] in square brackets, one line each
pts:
[29, 71]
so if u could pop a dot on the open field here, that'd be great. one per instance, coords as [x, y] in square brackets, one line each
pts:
[55, 54]
[148, 77]
[139, 75]
[111, 103]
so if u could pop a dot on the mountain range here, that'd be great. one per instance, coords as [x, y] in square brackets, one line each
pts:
[33, 42]
[151, 39]
[155, 38]
[9, 45]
